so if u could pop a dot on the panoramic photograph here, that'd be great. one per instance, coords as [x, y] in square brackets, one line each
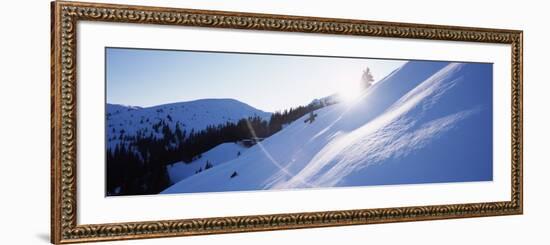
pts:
[181, 122]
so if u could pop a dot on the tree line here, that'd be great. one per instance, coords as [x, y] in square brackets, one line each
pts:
[137, 165]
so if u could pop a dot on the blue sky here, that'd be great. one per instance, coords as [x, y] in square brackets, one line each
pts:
[141, 77]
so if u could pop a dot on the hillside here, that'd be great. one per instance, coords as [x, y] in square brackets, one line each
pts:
[426, 122]
[127, 121]
[214, 157]
[142, 142]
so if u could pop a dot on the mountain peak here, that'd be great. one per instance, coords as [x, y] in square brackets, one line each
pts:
[189, 115]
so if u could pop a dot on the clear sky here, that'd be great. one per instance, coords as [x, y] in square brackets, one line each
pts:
[141, 77]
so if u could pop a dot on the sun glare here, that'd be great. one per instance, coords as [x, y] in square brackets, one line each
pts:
[350, 92]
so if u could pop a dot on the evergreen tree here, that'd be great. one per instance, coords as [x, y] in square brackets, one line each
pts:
[367, 79]
[208, 165]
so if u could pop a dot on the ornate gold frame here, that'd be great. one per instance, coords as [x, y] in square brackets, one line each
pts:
[65, 15]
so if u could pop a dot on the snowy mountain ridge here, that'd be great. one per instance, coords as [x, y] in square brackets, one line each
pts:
[131, 121]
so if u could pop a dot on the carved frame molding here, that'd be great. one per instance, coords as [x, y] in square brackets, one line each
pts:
[65, 16]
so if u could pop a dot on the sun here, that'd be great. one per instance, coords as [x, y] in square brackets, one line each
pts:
[350, 92]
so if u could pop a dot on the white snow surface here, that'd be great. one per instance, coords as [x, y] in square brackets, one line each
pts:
[392, 120]
[192, 115]
[218, 155]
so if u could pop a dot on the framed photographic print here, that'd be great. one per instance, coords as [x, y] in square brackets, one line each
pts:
[175, 122]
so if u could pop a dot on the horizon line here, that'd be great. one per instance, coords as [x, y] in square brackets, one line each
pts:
[195, 100]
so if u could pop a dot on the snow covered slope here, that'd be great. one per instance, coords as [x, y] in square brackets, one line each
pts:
[114, 109]
[193, 115]
[426, 122]
[215, 156]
